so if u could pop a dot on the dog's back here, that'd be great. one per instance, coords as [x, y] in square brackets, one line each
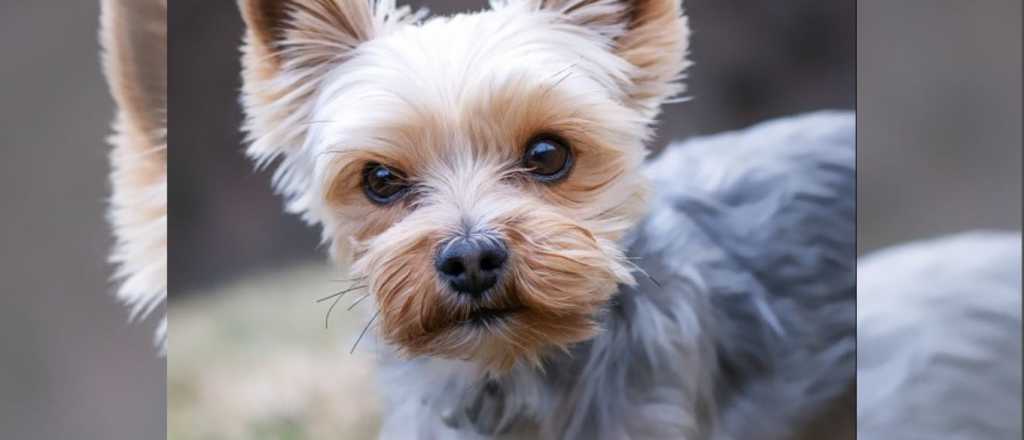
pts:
[940, 344]
[762, 222]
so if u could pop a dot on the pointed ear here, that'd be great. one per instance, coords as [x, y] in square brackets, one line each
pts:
[308, 32]
[133, 34]
[290, 46]
[652, 35]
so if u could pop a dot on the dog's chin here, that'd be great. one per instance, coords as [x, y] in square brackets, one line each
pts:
[498, 338]
[490, 317]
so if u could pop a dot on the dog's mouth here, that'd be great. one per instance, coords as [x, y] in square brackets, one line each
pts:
[491, 315]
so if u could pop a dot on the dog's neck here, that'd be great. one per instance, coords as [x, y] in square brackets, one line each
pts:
[647, 329]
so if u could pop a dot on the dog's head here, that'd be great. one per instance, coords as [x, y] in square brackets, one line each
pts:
[479, 169]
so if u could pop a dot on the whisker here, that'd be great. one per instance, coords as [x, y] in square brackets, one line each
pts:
[362, 333]
[348, 280]
[337, 298]
[339, 294]
[327, 317]
[357, 301]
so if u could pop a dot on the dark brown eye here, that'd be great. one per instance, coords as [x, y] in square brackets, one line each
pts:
[382, 184]
[547, 158]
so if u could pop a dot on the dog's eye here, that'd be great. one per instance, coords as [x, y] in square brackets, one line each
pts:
[548, 159]
[382, 184]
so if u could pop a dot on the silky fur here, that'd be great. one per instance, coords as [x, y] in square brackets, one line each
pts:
[133, 35]
[747, 335]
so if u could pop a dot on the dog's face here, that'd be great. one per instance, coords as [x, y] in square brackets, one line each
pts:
[477, 170]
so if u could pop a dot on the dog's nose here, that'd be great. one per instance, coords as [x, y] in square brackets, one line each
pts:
[472, 266]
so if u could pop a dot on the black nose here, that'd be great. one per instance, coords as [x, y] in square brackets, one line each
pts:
[471, 265]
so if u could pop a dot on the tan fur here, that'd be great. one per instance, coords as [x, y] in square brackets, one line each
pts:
[283, 66]
[333, 85]
[134, 39]
[652, 35]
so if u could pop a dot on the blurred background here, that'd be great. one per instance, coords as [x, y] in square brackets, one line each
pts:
[938, 118]
[71, 365]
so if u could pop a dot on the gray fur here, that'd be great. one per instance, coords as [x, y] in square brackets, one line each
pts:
[744, 328]
[940, 333]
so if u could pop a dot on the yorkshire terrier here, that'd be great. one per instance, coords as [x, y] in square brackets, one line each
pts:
[483, 177]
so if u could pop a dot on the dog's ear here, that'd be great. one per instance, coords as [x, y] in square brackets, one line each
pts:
[652, 35]
[133, 34]
[296, 33]
[290, 46]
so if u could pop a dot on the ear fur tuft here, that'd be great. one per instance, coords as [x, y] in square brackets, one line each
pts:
[652, 35]
[289, 48]
[133, 34]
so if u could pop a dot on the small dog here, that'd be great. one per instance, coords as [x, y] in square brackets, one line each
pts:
[483, 176]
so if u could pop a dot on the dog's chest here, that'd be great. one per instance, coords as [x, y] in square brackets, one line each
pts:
[614, 386]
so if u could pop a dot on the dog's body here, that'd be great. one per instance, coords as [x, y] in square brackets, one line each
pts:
[744, 330]
[483, 176]
[939, 338]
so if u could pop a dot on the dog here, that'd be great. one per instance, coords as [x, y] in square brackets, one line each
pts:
[133, 35]
[484, 177]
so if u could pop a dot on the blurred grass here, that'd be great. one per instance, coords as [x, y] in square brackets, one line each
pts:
[252, 360]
